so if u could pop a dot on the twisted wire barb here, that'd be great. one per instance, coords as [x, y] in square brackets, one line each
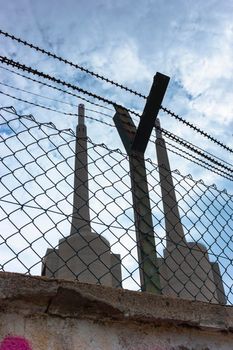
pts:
[170, 135]
[53, 55]
[77, 66]
[197, 129]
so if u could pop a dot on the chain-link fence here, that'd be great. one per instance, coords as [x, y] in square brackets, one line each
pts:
[44, 231]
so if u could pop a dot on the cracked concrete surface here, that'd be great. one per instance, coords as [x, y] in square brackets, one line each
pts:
[58, 314]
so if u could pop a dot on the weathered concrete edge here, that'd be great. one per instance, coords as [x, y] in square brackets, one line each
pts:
[32, 295]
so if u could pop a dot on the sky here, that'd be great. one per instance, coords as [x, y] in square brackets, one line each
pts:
[129, 41]
[190, 42]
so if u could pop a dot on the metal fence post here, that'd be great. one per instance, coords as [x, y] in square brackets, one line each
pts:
[135, 142]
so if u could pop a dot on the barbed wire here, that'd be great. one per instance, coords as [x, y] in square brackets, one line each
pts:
[166, 110]
[189, 146]
[53, 109]
[108, 101]
[193, 148]
[91, 110]
[81, 68]
[69, 85]
[23, 67]
[53, 99]
[111, 151]
[28, 69]
[56, 88]
[166, 132]
[201, 149]
[107, 115]
[197, 129]
[59, 131]
[184, 154]
[70, 132]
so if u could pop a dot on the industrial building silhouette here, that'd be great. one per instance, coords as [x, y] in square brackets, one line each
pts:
[83, 255]
[185, 270]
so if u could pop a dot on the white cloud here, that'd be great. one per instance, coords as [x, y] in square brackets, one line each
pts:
[122, 62]
[129, 41]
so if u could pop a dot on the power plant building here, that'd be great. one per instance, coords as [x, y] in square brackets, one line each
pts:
[84, 255]
[185, 270]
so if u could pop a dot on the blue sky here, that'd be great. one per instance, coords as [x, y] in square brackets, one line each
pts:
[129, 41]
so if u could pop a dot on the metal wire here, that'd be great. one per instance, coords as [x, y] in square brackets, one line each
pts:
[74, 95]
[83, 69]
[197, 129]
[53, 109]
[36, 208]
[191, 146]
[196, 150]
[200, 152]
[166, 110]
[193, 159]
[55, 80]
[108, 101]
[56, 88]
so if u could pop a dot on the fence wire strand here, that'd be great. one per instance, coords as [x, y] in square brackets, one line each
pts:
[37, 216]
[30, 70]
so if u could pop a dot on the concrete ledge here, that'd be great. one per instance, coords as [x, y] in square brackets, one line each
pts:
[30, 295]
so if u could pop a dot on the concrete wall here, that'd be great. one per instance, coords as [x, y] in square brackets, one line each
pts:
[39, 313]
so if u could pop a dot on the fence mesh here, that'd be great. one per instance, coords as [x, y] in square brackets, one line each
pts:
[192, 260]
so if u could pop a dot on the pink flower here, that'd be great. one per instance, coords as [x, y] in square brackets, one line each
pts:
[14, 343]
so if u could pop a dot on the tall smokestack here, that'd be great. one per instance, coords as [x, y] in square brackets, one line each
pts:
[174, 229]
[81, 210]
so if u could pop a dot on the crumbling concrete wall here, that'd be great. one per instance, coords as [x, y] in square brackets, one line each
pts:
[39, 313]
